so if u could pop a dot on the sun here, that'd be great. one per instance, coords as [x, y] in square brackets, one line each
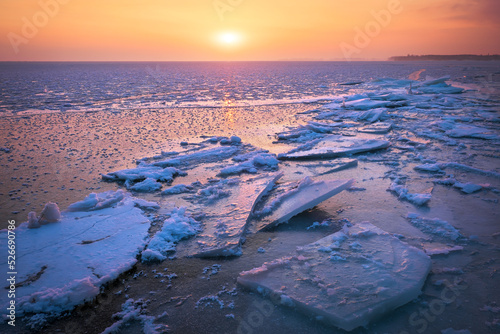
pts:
[229, 38]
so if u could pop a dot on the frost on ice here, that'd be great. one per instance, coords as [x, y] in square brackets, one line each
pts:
[64, 264]
[346, 279]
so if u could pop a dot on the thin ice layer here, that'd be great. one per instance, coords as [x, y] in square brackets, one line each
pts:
[346, 279]
[332, 147]
[229, 205]
[306, 195]
[63, 264]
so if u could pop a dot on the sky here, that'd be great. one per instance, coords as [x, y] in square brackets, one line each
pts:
[243, 30]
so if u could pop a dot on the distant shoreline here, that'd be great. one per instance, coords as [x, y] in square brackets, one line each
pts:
[444, 57]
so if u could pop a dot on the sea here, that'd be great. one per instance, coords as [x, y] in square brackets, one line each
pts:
[46, 87]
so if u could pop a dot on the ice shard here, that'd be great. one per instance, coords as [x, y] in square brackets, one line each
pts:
[332, 147]
[228, 207]
[306, 195]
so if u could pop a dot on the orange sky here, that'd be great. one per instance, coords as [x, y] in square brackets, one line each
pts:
[169, 30]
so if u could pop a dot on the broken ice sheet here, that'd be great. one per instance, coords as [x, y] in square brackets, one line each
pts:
[64, 264]
[227, 207]
[332, 147]
[306, 195]
[346, 279]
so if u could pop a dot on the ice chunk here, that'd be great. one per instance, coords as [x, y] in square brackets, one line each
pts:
[333, 146]
[404, 194]
[366, 104]
[430, 168]
[372, 115]
[434, 226]
[147, 186]
[133, 311]
[141, 173]
[468, 188]
[347, 287]
[262, 161]
[177, 189]
[50, 214]
[307, 195]
[377, 128]
[65, 264]
[226, 220]
[472, 132]
[97, 201]
[33, 220]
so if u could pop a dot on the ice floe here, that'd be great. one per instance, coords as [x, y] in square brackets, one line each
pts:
[64, 264]
[346, 279]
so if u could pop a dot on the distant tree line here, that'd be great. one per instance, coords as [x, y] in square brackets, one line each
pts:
[444, 57]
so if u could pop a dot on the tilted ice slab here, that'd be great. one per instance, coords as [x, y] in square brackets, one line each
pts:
[377, 128]
[64, 264]
[334, 146]
[227, 211]
[305, 196]
[346, 279]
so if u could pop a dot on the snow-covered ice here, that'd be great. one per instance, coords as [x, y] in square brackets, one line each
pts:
[347, 279]
[64, 264]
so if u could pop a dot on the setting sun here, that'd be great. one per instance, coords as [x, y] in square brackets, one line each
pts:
[229, 38]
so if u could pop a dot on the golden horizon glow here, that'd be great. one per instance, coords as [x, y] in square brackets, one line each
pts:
[159, 30]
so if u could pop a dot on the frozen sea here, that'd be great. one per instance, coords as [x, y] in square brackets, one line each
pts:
[421, 140]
